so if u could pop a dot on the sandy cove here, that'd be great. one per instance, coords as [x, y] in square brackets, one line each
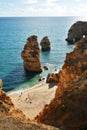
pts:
[31, 101]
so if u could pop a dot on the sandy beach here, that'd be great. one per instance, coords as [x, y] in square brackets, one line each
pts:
[31, 101]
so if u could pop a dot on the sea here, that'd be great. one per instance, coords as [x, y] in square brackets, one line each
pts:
[13, 34]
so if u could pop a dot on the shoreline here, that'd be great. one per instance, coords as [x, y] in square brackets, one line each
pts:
[32, 100]
[18, 91]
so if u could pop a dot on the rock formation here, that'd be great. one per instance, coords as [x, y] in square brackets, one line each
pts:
[1, 84]
[31, 55]
[68, 109]
[45, 44]
[77, 31]
[14, 119]
[52, 77]
[5, 102]
[45, 67]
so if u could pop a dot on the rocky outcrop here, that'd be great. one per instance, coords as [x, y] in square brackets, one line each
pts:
[45, 44]
[4, 99]
[68, 108]
[31, 55]
[77, 31]
[45, 67]
[52, 77]
[75, 64]
[1, 84]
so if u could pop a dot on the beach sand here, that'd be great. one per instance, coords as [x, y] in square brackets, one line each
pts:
[31, 101]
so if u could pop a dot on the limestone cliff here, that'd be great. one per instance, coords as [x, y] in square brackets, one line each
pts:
[75, 64]
[45, 44]
[68, 108]
[31, 55]
[77, 31]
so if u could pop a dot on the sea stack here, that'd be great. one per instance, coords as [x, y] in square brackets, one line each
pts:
[45, 43]
[31, 55]
[77, 31]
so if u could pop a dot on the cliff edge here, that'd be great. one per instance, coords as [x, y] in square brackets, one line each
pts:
[68, 109]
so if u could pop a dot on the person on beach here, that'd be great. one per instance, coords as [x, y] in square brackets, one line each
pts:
[28, 99]
[20, 96]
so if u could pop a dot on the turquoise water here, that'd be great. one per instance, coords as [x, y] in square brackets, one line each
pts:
[13, 35]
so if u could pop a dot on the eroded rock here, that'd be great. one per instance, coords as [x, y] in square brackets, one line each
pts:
[31, 55]
[1, 83]
[68, 108]
[45, 44]
[52, 77]
[77, 31]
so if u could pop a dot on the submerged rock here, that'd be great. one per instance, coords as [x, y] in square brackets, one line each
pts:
[31, 55]
[45, 44]
[69, 107]
[45, 67]
[77, 31]
[41, 79]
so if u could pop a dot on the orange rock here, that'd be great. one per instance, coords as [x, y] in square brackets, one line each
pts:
[31, 55]
[1, 83]
[52, 78]
[45, 44]
[69, 106]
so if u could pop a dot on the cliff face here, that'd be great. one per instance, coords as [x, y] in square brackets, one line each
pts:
[68, 108]
[31, 55]
[75, 64]
[5, 101]
[76, 31]
[45, 44]
[8, 114]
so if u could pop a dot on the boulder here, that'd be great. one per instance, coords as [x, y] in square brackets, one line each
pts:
[45, 44]
[68, 109]
[41, 79]
[31, 55]
[52, 77]
[77, 31]
[45, 67]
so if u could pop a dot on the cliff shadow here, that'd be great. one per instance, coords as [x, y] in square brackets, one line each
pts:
[17, 77]
[52, 84]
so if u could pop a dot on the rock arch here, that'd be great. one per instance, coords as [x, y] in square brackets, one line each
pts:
[77, 31]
